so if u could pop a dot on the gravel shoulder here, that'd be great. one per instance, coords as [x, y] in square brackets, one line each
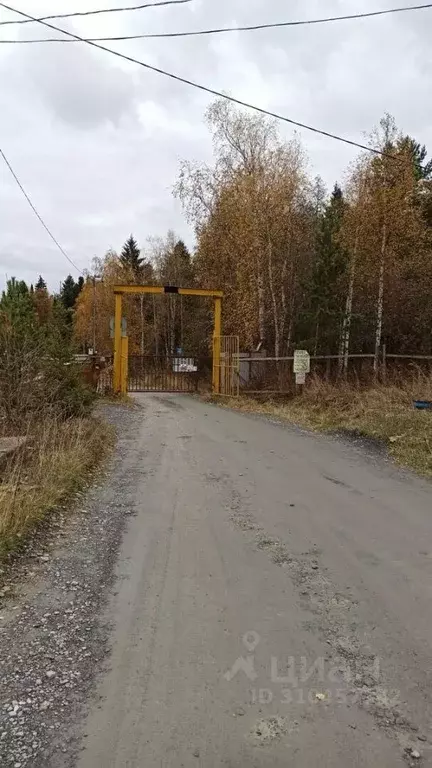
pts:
[51, 636]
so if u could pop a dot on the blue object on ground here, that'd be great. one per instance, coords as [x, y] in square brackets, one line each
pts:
[423, 405]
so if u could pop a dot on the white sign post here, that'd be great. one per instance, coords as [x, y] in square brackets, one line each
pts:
[301, 365]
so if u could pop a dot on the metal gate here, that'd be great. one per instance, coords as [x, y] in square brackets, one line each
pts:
[164, 373]
[229, 366]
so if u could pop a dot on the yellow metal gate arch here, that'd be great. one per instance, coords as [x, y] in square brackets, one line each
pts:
[120, 367]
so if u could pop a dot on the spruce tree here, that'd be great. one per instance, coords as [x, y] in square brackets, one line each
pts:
[329, 269]
[130, 257]
[41, 284]
[68, 293]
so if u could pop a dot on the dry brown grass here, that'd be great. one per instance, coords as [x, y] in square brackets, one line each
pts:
[57, 462]
[382, 412]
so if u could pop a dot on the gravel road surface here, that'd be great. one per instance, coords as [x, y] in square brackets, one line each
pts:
[269, 606]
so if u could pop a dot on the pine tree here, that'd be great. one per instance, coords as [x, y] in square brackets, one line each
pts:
[422, 174]
[130, 257]
[182, 254]
[140, 271]
[16, 304]
[418, 152]
[42, 302]
[329, 268]
[34, 347]
[68, 293]
[61, 322]
[41, 284]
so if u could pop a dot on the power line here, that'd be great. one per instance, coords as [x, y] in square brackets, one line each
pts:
[37, 214]
[203, 88]
[216, 31]
[93, 13]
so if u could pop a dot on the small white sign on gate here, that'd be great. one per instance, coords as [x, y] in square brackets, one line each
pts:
[301, 361]
[123, 327]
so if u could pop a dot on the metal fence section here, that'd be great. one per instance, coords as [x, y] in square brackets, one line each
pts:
[274, 375]
[249, 372]
[228, 370]
[168, 373]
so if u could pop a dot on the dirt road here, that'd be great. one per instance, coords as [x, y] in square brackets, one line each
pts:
[272, 605]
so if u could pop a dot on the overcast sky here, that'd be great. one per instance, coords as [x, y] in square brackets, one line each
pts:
[97, 142]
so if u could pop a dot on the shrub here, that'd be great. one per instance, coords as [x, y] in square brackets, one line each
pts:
[38, 378]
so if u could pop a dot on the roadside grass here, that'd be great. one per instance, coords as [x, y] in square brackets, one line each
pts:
[110, 398]
[56, 463]
[384, 413]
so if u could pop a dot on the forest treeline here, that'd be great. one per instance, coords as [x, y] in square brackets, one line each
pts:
[335, 271]
[338, 273]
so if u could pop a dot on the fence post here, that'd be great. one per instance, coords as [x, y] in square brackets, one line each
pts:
[124, 364]
[384, 363]
[217, 345]
[117, 342]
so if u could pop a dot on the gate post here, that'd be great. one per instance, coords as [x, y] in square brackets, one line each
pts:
[124, 364]
[117, 344]
[217, 345]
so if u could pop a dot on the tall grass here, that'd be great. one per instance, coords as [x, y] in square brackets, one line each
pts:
[55, 462]
[43, 399]
[379, 411]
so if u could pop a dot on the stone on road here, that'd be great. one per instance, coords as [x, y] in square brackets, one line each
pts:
[272, 602]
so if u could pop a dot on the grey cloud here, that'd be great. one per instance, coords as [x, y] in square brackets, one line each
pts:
[97, 142]
[78, 85]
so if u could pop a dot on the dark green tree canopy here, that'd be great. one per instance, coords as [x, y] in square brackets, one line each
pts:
[16, 303]
[70, 291]
[418, 152]
[181, 252]
[175, 265]
[41, 284]
[329, 269]
[130, 256]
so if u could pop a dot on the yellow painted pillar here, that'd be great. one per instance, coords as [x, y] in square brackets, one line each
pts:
[124, 364]
[217, 345]
[117, 343]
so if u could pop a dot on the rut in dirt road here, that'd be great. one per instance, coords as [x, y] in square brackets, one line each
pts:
[272, 603]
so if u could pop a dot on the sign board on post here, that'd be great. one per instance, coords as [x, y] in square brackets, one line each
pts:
[301, 361]
[124, 327]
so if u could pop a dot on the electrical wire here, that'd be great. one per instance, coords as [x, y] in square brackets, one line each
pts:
[217, 31]
[93, 13]
[37, 214]
[203, 88]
